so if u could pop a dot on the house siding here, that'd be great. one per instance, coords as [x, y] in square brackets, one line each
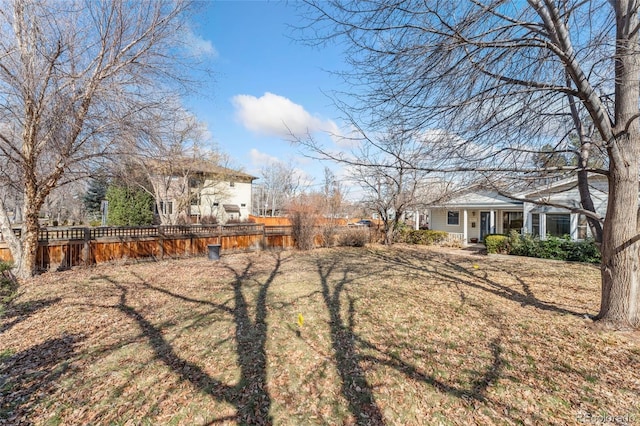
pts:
[571, 198]
[439, 221]
[223, 193]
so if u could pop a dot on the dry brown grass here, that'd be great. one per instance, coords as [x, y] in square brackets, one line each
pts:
[403, 335]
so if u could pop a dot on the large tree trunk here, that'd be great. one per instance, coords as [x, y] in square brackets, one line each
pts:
[621, 251]
[620, 244]
[27, 266]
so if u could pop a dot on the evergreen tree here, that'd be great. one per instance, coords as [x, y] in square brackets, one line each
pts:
[92, 200]
[549, 157]
[129, 207]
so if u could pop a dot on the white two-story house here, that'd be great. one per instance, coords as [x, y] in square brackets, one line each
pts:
[199, 191]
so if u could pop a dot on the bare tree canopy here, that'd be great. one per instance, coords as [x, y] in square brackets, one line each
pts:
[505, 79]
[74, 76]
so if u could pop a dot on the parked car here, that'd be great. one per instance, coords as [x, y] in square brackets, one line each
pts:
[362, 222]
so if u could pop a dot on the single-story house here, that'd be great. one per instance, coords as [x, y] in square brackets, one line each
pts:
[478, 212]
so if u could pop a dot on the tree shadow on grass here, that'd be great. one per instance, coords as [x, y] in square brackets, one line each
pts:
[335, 277]
[444, 268]
[29, 376]
[250, 396]
[355, 387]
[17, 313]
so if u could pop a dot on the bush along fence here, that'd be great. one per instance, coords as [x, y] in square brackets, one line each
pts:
[62, 248]
[559, 248]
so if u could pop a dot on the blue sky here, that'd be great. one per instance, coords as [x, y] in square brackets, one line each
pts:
[263, 77]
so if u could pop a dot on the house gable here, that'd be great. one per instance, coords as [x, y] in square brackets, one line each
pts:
[481, 199]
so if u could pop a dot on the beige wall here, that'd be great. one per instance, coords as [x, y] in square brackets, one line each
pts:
[438, 221]
[223, 193]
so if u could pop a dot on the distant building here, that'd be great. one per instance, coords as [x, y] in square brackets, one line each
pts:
[199, 191]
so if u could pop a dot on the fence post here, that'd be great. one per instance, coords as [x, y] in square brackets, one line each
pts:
[160, 242]
[86, 249]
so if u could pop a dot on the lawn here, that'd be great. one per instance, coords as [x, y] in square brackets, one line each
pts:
[400, 336]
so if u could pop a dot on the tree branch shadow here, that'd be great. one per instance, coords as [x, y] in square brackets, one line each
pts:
[525, 297]
[30, 375]
[345, 342]
[355, 387]
[22, 311]
[250, 396]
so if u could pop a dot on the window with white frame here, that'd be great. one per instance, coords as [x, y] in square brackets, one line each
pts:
[535, 224]
[558, 224]
[166, 207]
[453, 217]
[512, 221]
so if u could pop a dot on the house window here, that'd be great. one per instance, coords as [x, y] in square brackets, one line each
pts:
[512, 221]
[196, 200]
[232, 184]
[535, 224]
[582, 227]
[243, 205]
[453, 218]
[558, 224]
[216, 204]
[166, 207]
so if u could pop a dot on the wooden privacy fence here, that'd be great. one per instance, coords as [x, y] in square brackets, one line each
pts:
[61, 248]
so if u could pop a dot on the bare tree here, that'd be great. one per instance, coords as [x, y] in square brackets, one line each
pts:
[280, 183]
[168, 151]
[71, 75]
[387, 173]
[500, 75]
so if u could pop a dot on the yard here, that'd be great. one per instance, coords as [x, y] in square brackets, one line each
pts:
[400, 336]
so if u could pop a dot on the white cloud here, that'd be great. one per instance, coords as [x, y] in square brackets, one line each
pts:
[260, 159]
[199, 46]
[275, 115]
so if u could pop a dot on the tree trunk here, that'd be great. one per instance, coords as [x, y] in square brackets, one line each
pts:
[26, 267]
[621, 247]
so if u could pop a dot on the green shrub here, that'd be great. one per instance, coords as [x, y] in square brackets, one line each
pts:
[496, 243]
[353, 237]
[421, 236]
[584, 251]
[554, 248]
[559, 248]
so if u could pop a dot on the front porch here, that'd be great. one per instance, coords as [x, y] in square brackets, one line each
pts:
[472, 216]
[472, 225]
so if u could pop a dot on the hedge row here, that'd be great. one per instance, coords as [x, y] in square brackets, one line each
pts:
[421, 236]
[559, 248]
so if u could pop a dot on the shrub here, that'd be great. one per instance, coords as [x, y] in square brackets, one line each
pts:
[553, 248]
[328, 235]
[584, 251]
[422, 236]
[559, 248]
[209, 220]
[302, 230]
[129, 207]
[353, 238]
[496, 243]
